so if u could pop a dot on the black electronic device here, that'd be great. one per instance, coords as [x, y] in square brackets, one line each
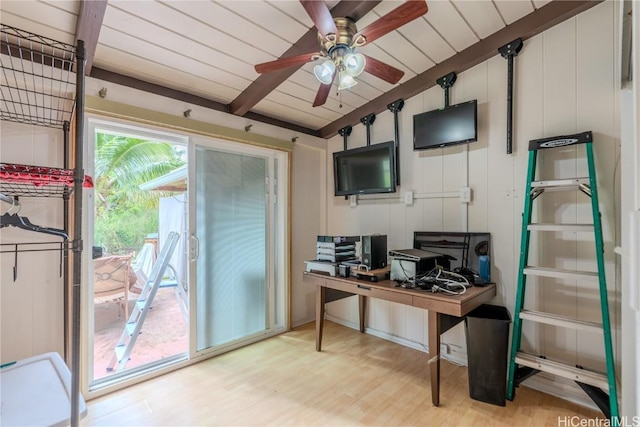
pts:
[374, 251]
[455, 124]
[365, 170]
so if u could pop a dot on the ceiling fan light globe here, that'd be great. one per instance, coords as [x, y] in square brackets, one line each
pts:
[354, 64]
[324, 72]
[346, 81]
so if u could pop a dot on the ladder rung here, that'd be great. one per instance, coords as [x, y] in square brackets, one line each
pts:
[120, 349]
[552, 319]
[131, 326]
[561, 184]
[560, 227]
[141, 303]
[559, 273]
[576, 374]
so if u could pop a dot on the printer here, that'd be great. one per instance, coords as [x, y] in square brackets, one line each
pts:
[408, 263]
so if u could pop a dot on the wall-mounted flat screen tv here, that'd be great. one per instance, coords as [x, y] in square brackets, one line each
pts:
[455, 124]
[365, 170]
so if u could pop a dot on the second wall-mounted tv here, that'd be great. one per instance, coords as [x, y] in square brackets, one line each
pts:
[365, 170]
[455, 124]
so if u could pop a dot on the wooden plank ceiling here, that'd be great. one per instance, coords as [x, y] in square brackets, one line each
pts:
[204, 52]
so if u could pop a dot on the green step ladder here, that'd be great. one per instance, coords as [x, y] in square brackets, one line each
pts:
[601, 387]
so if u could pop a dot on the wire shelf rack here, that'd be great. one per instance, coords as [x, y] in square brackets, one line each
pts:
[35, 181]
[38, 81]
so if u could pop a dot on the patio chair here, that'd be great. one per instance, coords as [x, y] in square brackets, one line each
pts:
[113, 279]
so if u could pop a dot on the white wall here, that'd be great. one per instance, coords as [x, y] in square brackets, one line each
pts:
[31, 319]
[566, 82]
[309, 212]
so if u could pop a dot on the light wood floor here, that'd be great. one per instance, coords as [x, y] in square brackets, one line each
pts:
[357, 379]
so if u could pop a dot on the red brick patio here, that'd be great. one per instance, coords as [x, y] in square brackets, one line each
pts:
[164, 332]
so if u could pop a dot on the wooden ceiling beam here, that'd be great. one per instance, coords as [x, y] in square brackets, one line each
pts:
[308, 43]
[90, 17]
[536, 22]
[120, 79]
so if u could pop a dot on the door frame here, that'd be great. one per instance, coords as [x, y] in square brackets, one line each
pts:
[284, 248]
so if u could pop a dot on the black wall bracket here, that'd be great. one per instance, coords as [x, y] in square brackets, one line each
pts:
[445, 83]
[344, 133]
[508, 52]
[395, 108]
[368, 121]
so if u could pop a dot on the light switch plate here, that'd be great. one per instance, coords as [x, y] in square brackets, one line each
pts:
[465, 195]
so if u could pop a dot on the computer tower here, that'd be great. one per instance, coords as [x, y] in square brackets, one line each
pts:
[374, 251]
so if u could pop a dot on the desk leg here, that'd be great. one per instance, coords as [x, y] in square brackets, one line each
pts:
[434, 355]
[362, 305]
[320, 298]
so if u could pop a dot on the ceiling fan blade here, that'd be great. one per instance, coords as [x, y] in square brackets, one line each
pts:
[399, 16]
[320, 15]
[323, 93]
[278, 64]
[384, 71]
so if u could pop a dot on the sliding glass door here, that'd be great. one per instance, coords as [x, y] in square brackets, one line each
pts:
[233, 246]
[225, 282]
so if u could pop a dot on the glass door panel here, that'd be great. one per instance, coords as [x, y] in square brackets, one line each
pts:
[139, 198]
[231, 229]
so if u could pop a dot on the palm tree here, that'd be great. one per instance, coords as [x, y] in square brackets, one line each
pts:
[123, 163]
[124, 213]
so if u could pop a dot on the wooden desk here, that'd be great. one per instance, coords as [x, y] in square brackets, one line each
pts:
[445, 311]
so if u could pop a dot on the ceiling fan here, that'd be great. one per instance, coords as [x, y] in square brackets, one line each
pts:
[338, 38]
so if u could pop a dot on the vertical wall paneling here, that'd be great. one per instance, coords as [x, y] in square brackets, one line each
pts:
[309, 169]
[597, 98]
[31, 316]
[559, 249]
[476, 87]
[529, 124]
[564, 83]
[499, 209]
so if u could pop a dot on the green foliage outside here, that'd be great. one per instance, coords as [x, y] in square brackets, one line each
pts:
[125, 215]
[122, 230]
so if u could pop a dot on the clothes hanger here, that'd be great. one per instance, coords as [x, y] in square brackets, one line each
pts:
[15, 220]
[24, 223]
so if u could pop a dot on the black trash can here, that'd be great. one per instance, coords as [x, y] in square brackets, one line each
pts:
[487, 331]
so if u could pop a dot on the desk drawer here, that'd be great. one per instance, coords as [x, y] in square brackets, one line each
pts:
[391, 296]
[315, 280]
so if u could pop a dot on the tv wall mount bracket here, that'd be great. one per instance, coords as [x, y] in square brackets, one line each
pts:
[344, 133]
[367, 121]
[508, 52]
[395, 108]
[445, 83]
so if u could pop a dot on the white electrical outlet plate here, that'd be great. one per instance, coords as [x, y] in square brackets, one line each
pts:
[408, 197]
[465, 195]
[353, 200]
